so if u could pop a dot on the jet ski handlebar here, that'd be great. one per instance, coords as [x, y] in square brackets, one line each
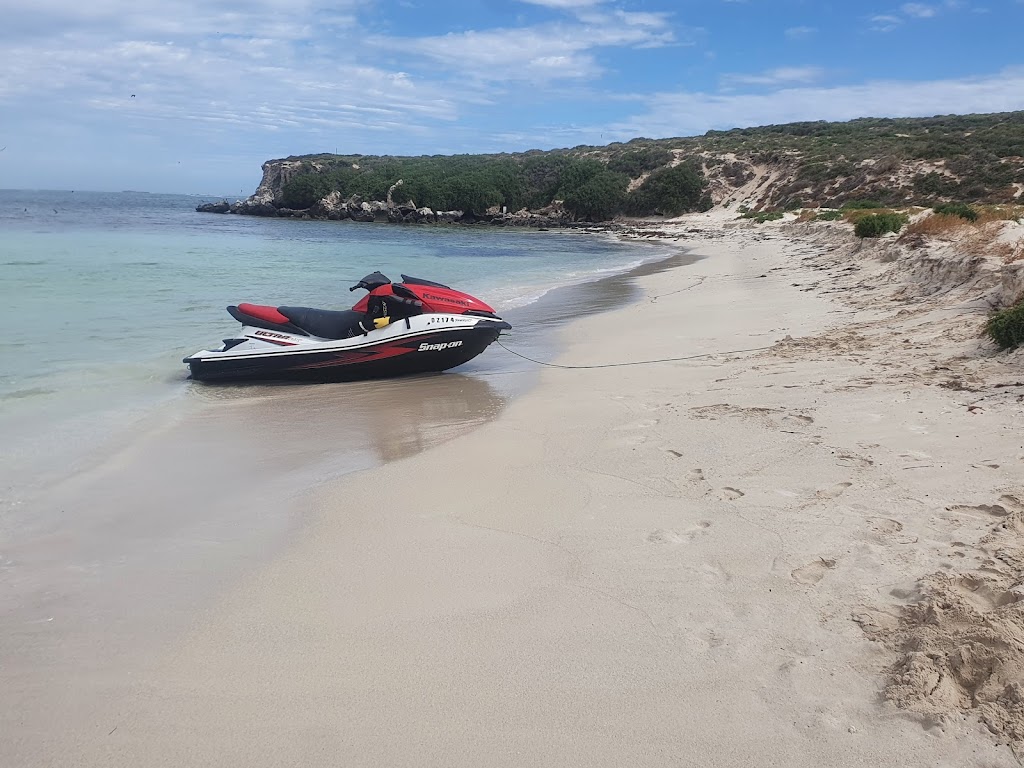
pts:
[371, 281]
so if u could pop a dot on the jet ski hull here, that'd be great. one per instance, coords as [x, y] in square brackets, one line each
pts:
[428, 343]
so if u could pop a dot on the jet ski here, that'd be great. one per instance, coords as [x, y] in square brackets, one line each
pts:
[415, 326]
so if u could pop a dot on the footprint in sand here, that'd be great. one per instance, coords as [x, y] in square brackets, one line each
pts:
[731, 494]
[847, 459]
[889, 531]
[797, 418]
[695, 475]
[663, 536]
[980, 510]
[834, 492]
[814, 572]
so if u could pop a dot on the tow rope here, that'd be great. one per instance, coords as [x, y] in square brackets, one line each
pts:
[635, 362]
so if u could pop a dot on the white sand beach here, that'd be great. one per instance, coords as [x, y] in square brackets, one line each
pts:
[744, 559]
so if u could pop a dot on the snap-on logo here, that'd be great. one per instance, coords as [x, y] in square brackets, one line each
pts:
[424, 347]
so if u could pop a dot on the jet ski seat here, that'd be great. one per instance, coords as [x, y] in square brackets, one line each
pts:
[326, 323]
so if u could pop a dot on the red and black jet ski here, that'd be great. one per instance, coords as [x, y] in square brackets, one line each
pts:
[415, 326]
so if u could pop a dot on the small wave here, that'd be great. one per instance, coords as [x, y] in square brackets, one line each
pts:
[24, 263]
[21, 394]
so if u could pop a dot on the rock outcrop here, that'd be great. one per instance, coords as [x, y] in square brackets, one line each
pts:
[267, 201]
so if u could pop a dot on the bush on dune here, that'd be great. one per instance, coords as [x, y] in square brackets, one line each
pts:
[1006, 328]
[877, 224]
[760, 217]
[669, 192]
[962, 210]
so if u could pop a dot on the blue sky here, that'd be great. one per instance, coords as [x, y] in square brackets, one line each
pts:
[193, 95]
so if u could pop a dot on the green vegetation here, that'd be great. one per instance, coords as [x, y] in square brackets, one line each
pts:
[760, 217]
[670, 192]
[866, 164]
[1006, 328]
[962, 210]
[635, 162]
[589, 188]
[829, 215]
[861, 205]
[590, 192]
[877, 224]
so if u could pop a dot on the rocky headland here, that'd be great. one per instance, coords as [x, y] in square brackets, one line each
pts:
[893, 162]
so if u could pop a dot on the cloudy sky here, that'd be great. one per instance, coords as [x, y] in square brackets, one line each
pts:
[193, 95]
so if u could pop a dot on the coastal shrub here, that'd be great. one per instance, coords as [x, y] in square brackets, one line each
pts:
[856, 214]
[1006, 328]
[829, 214]
[760, 217]
[878, 224]
[305, 190]
[468, 192]
[576, 173]
[669, 192]
[636, 162]
[931, 184]
[599, 198]
[861, 205]
[962, 210]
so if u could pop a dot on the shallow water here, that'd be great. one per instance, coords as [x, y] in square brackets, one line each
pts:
[102, 294]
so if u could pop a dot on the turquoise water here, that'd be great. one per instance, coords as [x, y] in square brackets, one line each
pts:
[102, 294]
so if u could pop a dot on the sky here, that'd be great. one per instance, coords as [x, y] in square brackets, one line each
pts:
[192, 96]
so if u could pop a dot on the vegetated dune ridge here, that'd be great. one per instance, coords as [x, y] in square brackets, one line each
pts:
[897, 161]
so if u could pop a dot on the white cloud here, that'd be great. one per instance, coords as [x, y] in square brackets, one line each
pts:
[775, 77]
[540, 53]
[684, 114]
[800, 33]
[885, 22]
[563, 3]
[918, 10]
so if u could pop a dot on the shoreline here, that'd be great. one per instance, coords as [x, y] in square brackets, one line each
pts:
[105, 565]
[59, 429]
[690, 562]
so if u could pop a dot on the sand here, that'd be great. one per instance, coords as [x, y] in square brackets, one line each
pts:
[804, 555]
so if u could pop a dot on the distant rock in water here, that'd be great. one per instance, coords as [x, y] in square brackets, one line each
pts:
[222, 207]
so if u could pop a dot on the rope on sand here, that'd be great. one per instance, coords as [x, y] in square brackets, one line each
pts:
[636, 362]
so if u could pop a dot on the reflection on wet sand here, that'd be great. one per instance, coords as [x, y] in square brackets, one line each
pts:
[392, 418]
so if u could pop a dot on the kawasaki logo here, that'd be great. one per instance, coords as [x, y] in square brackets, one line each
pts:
[449, 299]
[424, 347]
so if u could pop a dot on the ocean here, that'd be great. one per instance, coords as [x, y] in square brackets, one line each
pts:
[102, 294]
